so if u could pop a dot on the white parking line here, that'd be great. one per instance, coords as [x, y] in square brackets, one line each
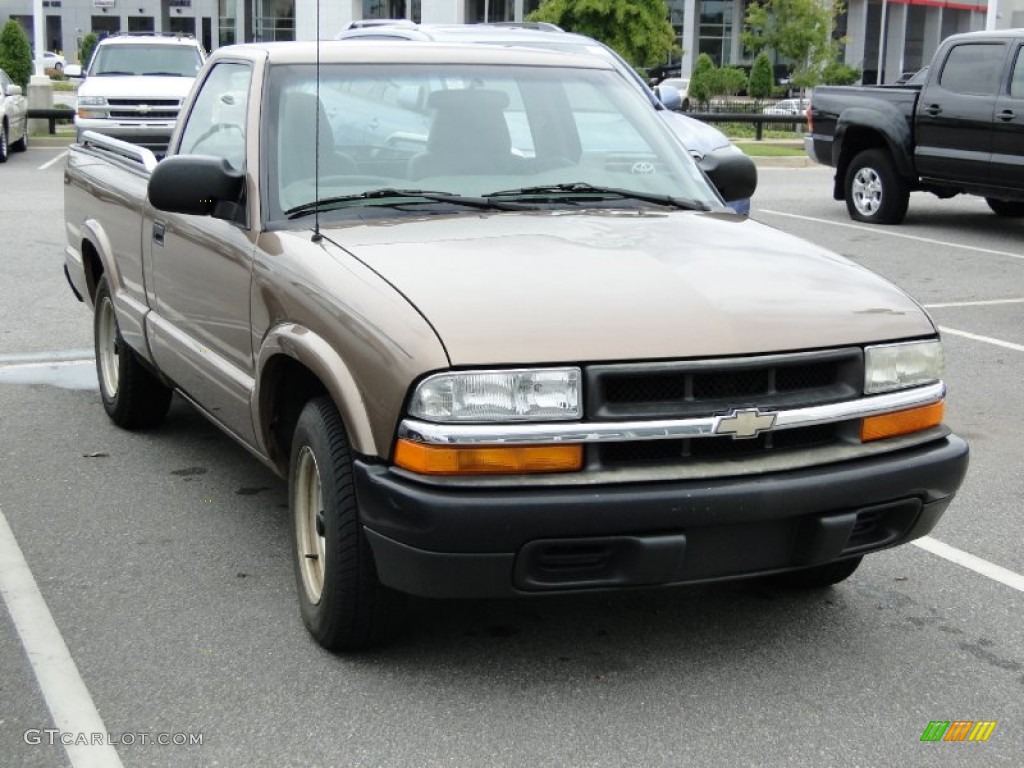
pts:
[48, 163]
[986, 339]
[976, 564]
[876, 230]
[984, 303]
[65, 693]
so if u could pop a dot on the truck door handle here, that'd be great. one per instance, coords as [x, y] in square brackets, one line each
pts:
[933, 109]
[1006, 115]
[158, 232]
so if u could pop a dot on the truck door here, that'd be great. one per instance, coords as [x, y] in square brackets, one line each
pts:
[200, 268]
[953, 124]
[1008, 128]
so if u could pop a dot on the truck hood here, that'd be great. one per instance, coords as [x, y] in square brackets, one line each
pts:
[589, 286]
[136, 87]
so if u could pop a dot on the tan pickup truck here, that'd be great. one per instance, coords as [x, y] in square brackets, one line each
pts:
[500, 333]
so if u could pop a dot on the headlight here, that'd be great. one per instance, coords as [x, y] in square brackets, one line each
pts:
[92, 106]
[897, 366]
[92, 101]
[548, 394]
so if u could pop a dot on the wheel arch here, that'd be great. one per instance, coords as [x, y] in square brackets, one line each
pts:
[97, 259]
[295, 365]
[855, 133]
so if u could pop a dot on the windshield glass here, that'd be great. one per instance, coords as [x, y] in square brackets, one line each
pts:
[146, 59]
[470, 131]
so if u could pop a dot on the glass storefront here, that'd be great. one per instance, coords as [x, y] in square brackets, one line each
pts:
[273, 20]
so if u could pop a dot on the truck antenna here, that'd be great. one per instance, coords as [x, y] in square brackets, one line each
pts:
[317, 237]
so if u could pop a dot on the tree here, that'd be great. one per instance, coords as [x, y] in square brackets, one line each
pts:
[15, 53]
[762, 78]
[797, 30]
[701, 78]
[840, 74]
[728, 81]
[89, 43]
[638, 30]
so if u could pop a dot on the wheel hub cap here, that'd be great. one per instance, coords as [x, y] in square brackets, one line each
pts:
[307, 506]
[867, 191]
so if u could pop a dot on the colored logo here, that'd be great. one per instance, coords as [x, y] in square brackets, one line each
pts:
[958, 730]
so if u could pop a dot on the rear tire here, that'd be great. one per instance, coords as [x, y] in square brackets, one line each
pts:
[818, 576]
[21, 144]
[875, 192]
[133, 397]
[1011, 209]
[342, 602]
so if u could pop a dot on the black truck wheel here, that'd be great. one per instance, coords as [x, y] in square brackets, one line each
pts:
[132, 396]
[343, 604]
[875, 192]
[1011, 209]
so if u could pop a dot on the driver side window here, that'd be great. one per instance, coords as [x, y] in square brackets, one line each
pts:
[216, 125]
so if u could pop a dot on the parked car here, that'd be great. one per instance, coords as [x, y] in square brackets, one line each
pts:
[500, 365]
[13, 117]
[960, 131]
[135, 85]
[681, 84]
[53, 60]
[705, 142]
[796, 107]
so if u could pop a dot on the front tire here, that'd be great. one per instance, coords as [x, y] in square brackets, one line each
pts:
[21, 144]
[875, 192]
[132, 396]
[818, 576]
[1011, 209]
[342, 602]
[4, 148]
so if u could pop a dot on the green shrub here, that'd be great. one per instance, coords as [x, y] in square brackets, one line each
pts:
[761, 78]
[15, 53]
[89, 43]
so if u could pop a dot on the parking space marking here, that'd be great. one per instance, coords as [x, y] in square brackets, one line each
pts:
[876, 230]
[34, 358]
[969, 561]
[983, 303]
[986, 339]
[48, 163]
[62, 686]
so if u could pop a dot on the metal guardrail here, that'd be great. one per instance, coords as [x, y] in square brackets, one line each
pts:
[51, 115]
[759, 120]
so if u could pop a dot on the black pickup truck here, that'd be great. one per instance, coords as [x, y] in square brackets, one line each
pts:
[961, 130]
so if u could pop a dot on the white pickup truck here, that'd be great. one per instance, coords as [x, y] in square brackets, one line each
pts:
[516, 348]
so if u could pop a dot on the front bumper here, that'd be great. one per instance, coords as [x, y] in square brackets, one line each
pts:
[155, 135]
[439, 541]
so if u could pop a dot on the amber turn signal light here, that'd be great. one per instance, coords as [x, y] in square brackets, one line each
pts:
[487, 460]
[901, 422]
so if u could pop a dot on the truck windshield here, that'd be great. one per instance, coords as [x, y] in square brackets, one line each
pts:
[146, 59]
[471, 132]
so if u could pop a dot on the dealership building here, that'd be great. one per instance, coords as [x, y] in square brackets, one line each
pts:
[887, 36]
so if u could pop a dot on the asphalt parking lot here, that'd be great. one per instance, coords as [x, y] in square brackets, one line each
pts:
[148, 591]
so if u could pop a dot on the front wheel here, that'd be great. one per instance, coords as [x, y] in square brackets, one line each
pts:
[875, 192]
[132, 396]
[817, 576]
[21, 144]
[4, 149]
[343, 604]
[1011, 209]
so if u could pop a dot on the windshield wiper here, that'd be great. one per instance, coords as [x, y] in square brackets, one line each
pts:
[116, 72]
[581, 190]
[399, 197]
[164, 74]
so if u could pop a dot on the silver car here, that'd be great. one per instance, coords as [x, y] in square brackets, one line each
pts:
[13, 117]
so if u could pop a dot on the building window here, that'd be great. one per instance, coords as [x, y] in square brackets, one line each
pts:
[385, 9]
[273, 20]
[481, 11]
[716, 30]
[227, 13]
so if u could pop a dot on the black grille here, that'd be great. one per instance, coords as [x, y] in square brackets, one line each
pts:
[703, 388]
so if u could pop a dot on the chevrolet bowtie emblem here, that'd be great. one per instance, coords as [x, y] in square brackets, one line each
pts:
[743, 424]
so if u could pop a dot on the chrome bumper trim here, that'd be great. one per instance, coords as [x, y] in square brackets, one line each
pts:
[662, 429]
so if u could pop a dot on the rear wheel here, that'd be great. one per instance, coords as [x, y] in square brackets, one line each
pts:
[21, 144]
[875, 192]
[817, 576]
[1012, 209]
[343, 604]
[132, 396]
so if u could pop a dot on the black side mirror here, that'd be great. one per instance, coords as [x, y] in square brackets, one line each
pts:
[198, 185]
[733, 173]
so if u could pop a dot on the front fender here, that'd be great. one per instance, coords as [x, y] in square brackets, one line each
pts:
[317, 355]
